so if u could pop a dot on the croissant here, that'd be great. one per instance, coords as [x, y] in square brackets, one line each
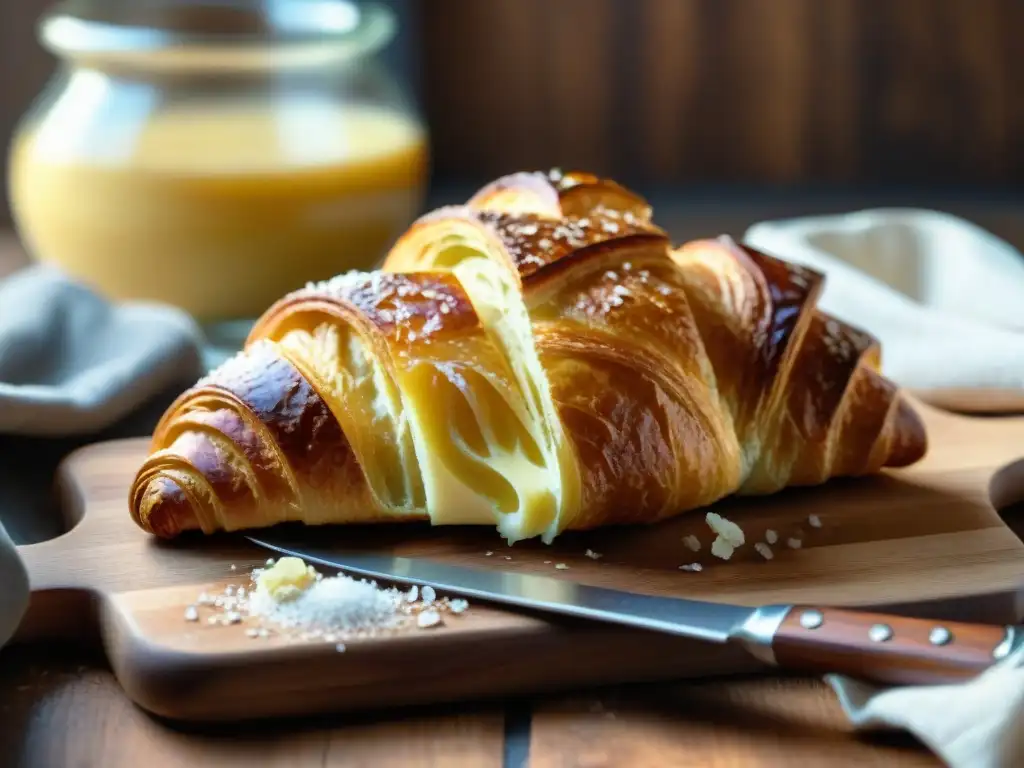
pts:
[539, 359]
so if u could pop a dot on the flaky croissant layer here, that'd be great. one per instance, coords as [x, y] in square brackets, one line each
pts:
[539, 359]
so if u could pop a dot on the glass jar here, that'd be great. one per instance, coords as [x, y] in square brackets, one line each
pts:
[215, 155]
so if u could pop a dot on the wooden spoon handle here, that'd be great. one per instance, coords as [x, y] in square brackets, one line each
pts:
[889, 649]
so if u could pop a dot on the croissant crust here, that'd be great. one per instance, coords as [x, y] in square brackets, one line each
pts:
[539, 359]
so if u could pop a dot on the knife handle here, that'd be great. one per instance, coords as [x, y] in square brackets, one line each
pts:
[888, 649]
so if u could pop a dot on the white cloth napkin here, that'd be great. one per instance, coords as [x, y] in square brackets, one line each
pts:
[73, 363]
[944, 297]
[978, 724]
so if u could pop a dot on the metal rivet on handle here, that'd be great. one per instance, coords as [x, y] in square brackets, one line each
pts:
[811, 619]
[940, 636]
[1002, 650]
[879, 633]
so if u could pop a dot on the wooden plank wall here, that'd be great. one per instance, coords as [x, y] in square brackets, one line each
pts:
[774, 91]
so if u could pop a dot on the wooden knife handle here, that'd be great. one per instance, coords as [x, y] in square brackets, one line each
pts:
[888, 649]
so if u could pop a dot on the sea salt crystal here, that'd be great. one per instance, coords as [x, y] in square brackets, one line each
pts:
[794, 543]
[814, 521]
[561, 567]
[771, 536]
[764, 550]
[692, 567]
[340, 647]
[191, 613]
[428, 594]
[334, 604]
[427, 619]
[593, 555]
[692, 543]
[413, 594]
[458, 605]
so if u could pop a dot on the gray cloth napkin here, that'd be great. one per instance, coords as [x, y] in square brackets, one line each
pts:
[73, 363]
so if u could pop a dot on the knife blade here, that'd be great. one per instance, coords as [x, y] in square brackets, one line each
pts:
[875, 647]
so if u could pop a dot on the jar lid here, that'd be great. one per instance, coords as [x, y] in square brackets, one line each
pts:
[77, 28]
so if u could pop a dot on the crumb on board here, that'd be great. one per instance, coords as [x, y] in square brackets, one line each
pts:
[722, 549]
[725, 528]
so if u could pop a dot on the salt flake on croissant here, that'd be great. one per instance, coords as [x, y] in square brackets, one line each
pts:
[540, 359]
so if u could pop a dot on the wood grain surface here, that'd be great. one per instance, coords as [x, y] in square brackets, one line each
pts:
[930, 529]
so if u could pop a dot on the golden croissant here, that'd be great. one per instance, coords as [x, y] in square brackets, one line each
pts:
[540, 359]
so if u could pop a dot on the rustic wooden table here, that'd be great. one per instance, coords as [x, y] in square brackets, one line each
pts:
[62, 707]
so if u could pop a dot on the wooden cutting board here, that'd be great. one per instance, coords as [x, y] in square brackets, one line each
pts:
[923, 541]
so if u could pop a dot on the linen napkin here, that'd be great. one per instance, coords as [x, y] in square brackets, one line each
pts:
[944, 297]
[977, 724]
[73, 363]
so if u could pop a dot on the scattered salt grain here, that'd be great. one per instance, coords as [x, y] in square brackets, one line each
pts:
[547, 562]
[692, 567]
[252, 632]
[764, 550]
[340, 647]
[234, 567]
[191, 613]
[508, 557]
[232, 617]
[771, 536]
[561, 567]
[212, 620]
[814, 521]
[428, 594]
[427, 619]
[488, 553]
[593, 555]
[270, 561]
[229, 590]
[692, 543]
[794, 543]
[458, 605]
[413, 594]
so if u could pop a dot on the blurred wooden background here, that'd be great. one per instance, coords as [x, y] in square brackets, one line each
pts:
[918, 92]
[768, 91]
